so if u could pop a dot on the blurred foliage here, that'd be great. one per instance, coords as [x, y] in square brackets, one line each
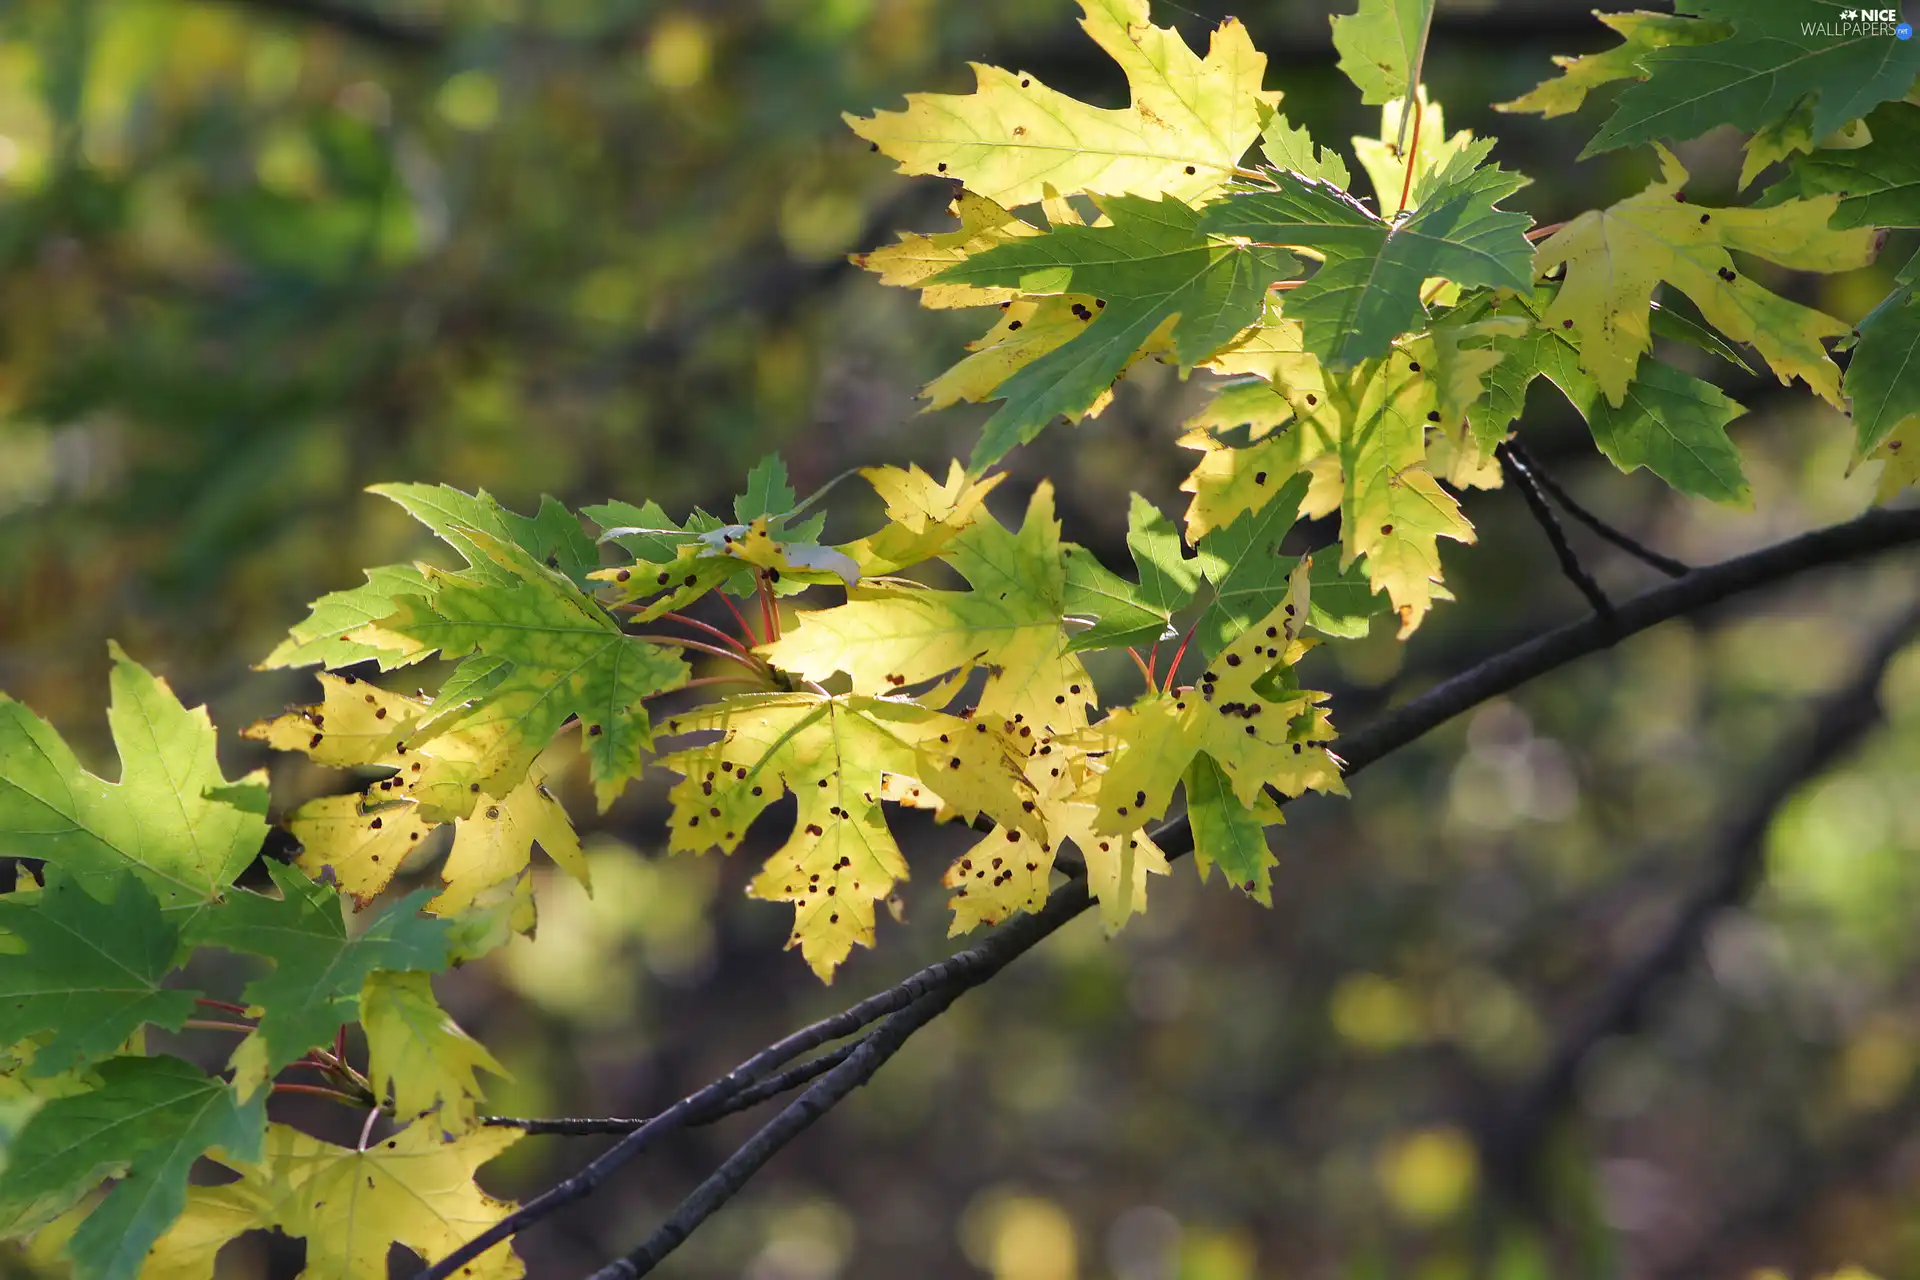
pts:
[257, 255]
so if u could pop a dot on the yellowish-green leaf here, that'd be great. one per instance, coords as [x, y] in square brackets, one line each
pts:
[1616, 257]
[907, 264]
[923, 515]
[1190, 121]
[1641, 32]
[421, 1054]
[1012, 622]
[833, 754]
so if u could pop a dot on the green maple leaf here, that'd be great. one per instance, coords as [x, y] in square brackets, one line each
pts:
[318, 966]
[1878, 184]
[1883, 378]
[91, 973]
[1126, 613]
[1380, 46]
[172, 818]
[1013, 621]
[1289, 147]
[1641, 32]
[767, 492]
[1153, 267]
[552, 535]
[1765, 71]
[536, 651]
[1190, 121]
[1670, 422]
[1367, 291]
[1227, 833]
[322, 637]
[1616, 257]
[151, 1119]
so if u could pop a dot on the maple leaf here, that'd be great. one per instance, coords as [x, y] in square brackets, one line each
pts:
[534, 651]
[1384, 156]
[322, 637]
[150, 1118]
[1616, 257]
[1669, 422]
[1125, 613]
[172, 819]
[419, 1052]
[318, 968]
[1765, 70]
[1380, 46]
[213, 1216]
[1013, 621]
[1288, 146]
[1878, 183]
[832, 753]
[89, 974]
[1901, 454]
[1227, 833]
[1153, 266]
[915, 258]
[414, 1189]
[1240, 713]
[923, 515]
[1190, 121]
[360, 841]
[1002, 873]
[1883, 377]
[1642, 33]
[1367, 291]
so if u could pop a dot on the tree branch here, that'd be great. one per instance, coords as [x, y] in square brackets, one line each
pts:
[394, 34]
[1733, 867]
[940, 983]
[1665, 564]
[1515, 465]
[752, 1095]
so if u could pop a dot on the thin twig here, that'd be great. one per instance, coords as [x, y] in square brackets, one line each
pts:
[1541, 233]
[715, 650]
[1876, 531]
[709, 628]
[210, 1024]
[1413, 100]
[225, 1005]
[771, 1087]
[1146, 672]
[320, 1091]
[1522, 477]
[1173, 664]
[1732, 869]
[1665, 564]
[738, 616]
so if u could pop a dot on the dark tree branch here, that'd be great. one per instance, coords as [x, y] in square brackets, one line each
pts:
[938, 984]
[1515, 465]
[366, 25]
[1665, 564]
[1734, 864]
[754, 1094]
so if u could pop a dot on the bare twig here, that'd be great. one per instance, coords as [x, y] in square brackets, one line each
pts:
[1665, 564]
[753, 1095]
[1522, 476]
[1733, 867]
[939, 984]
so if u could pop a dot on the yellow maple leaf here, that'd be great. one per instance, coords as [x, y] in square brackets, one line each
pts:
[421, 1054]
[1386, 164]
[1901, 453]
[361, 840]
[1362, 440]
[1012, 622]
[1616, 257]
[1257, 736]
[983, 224]
[1190, 121]
[414, 1189]
[834, 754]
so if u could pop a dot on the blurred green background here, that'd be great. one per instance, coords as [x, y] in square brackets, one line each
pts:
[255, 256]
